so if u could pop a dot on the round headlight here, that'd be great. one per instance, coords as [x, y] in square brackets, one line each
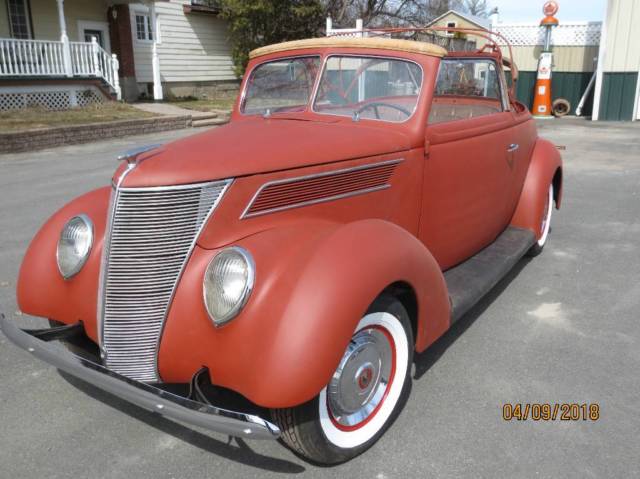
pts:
[74, 245]
[228, 282]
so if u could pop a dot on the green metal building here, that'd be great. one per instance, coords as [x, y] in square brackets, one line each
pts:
[617, 90]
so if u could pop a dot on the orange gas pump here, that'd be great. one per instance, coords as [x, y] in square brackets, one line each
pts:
[542, 94]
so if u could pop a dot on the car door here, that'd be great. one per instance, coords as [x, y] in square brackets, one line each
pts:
[469, 165]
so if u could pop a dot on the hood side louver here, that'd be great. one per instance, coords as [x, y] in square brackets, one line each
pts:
[308, 190]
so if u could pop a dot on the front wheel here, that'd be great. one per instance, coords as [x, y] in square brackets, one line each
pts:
[364, 395]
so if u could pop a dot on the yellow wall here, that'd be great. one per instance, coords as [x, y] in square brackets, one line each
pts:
[44, 14]
[565, 58]
[460, 23]
[4, 21]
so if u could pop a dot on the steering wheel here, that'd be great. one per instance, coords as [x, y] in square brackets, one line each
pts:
[376, 104]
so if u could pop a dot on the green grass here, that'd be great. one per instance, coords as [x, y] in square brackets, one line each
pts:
[31, 118]
[205, 105]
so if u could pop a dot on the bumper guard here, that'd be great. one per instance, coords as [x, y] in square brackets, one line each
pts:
[146, 396]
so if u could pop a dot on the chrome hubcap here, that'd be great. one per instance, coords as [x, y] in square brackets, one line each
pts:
[360, 383]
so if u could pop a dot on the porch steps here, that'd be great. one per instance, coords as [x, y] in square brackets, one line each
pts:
[208, 119]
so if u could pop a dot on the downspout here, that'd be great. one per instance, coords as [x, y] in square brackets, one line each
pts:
[636, 106]
[599, 69]
[155, 61]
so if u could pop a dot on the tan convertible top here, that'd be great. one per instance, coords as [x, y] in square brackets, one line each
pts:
[409, 46]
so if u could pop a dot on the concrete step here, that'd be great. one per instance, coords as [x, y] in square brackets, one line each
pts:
[208, 122]
[204, 115]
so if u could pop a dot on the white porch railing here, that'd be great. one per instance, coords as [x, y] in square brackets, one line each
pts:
[30, 58]
[89, 59]
[44, 59]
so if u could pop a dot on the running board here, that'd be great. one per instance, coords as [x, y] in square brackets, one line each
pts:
[470, 281]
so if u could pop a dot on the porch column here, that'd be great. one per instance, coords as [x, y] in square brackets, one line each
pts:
[66, 48]
[155, 61]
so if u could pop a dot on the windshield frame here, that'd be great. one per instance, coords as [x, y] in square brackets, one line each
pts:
[361, 55]
[312, 93]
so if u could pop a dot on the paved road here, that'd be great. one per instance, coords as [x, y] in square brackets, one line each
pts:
[561, 328]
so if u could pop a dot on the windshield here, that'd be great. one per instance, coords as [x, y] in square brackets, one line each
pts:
[280, 86]
[365, 87]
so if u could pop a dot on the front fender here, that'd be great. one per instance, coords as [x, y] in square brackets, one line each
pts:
[42, 291]
[314, 282]
[545, 167]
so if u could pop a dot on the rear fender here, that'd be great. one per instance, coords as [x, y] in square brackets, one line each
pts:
[545, 168]
[314, 282]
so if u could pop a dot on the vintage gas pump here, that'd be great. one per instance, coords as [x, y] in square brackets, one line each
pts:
[542, 95]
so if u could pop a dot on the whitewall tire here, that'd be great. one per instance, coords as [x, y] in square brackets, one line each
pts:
[545, 225]
[364, 395]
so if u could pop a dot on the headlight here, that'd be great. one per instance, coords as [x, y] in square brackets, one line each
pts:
[228, 282]
[74, 245]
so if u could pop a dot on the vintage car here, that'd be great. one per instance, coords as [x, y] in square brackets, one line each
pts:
[273, 278]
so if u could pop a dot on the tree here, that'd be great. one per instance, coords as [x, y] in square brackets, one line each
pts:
[479, 8]
[262, 22]
[411, 13]
[373, 12]
[256, 23]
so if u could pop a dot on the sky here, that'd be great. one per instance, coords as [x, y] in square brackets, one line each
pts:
[531, 10]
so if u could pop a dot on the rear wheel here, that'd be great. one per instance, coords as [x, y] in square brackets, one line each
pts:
[364, 395]
[545, 225]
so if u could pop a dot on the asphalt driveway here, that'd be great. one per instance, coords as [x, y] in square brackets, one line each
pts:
[563, 328]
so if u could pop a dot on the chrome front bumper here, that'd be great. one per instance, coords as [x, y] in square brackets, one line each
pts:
[141, 394]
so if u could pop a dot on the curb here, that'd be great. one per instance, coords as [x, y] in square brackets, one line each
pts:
[30, 140]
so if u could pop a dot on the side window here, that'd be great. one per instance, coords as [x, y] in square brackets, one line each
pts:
[144, 30]
[466, 88]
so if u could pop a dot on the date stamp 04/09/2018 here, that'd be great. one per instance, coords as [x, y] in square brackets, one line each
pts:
[550, 412]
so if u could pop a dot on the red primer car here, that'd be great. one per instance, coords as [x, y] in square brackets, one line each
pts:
[366, 194]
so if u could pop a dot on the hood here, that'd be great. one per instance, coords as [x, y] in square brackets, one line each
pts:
[259, 145]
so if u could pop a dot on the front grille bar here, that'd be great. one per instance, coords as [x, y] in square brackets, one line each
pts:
[151, 235]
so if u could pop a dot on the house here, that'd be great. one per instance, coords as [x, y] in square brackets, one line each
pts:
[455, 19]
[61, 53]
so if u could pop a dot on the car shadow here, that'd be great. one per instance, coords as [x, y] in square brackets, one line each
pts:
[240, 453]
[423, 361]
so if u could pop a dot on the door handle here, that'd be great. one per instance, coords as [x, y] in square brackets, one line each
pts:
[513, 147]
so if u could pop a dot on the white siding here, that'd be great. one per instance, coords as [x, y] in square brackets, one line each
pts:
[193, 47]
[623, 36]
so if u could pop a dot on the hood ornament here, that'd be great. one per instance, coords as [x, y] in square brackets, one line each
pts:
[130, 156]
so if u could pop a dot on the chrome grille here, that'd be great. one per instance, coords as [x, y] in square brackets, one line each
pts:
[152, 233]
